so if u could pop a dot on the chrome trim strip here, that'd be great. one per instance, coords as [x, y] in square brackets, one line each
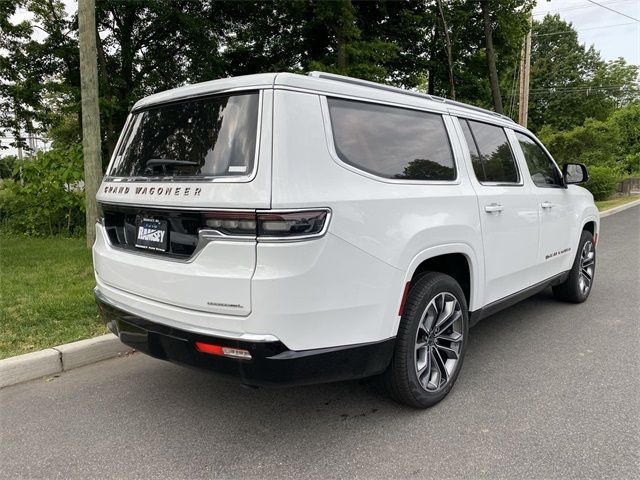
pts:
[247, 337]
[150, 206]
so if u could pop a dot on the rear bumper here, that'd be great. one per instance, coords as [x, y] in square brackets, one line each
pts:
[271, 363]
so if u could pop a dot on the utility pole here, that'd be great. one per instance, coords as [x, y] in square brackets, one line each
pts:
[525, 67]
[90, 112]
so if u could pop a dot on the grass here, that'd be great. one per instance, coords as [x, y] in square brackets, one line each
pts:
[46, 296]
[616, 202]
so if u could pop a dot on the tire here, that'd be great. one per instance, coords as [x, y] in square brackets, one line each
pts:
[421, 376]
[577, 286]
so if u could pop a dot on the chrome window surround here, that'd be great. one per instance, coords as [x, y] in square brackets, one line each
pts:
[212, 179]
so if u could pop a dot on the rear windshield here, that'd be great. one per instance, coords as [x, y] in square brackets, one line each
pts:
[209, 137]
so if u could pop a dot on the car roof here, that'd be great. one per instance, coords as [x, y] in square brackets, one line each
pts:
[328, 84]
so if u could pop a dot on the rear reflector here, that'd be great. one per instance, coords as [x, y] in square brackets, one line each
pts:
[223, 351]
[404, 298]
[595, 239]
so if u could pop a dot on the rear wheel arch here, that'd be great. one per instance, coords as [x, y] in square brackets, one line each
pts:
[444, 259]
[590, 226]
[456, 265]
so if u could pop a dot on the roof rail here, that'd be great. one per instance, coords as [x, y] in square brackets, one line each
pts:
[389, 88]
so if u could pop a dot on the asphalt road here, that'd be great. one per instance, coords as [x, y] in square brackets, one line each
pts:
[548, 390]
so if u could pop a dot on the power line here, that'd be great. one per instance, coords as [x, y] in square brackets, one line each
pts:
[558, 10]
[612, 10]
[564, 32]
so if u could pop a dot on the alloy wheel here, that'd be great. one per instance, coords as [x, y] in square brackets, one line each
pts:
[587, 263]
[438, 341]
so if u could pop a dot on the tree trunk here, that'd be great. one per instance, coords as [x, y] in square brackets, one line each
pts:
[90, 112]
[491, 57]
[447, 43]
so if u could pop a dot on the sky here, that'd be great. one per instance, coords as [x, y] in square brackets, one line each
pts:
[613, 34]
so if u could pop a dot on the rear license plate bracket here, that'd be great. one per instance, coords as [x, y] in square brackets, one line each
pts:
[152, 234]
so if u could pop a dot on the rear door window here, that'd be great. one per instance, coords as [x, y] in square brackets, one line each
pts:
[491, 156]
[391, 142]
[208, 137]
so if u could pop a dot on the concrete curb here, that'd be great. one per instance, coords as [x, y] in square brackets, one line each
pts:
[51, 361]
[613, 210]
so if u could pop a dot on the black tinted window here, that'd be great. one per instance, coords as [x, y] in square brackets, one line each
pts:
[543, 171]
[392, 142]
[214, 136]
[491, 154]
[476, 160]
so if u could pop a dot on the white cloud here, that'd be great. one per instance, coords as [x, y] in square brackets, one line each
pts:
[613, 34]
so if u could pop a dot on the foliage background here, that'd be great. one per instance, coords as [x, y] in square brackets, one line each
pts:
[582, 106]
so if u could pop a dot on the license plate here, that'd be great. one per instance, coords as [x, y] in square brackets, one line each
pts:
[152, 234]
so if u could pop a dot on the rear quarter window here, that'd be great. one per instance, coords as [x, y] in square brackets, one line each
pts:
[391, 142]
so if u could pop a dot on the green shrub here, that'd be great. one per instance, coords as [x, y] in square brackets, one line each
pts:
[602, 181]
[6, 165]
[46, 196]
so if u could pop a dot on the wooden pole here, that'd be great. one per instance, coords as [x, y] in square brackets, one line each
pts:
[525, 68]
[90, 112]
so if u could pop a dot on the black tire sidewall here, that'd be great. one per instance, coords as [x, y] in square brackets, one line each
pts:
[425, 289]
[574, 275]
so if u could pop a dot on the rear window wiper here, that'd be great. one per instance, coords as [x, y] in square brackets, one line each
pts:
[154, 164]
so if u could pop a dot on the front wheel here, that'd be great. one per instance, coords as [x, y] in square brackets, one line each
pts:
[431, 342]
[578, 285]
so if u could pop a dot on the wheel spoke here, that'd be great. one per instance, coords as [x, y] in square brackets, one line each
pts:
[449, 321]
[451, 353]
[447, 310]
[450, 337]
[425, 371]
[431, 381]
[429, 318]
[444, 375]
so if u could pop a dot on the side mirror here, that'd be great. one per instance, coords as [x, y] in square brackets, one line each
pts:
[574, 173]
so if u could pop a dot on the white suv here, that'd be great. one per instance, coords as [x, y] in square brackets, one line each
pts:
[298, 229]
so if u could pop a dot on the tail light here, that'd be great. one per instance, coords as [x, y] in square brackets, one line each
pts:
[269, 226]
[232, 223]
[289, 225]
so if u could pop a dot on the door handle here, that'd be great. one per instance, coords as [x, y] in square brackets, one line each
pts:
[546, 205]
[493, 207]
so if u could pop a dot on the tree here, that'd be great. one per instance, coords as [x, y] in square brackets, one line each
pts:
[491, 56]
[570, 82]
[38, 77]
[90, 113]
